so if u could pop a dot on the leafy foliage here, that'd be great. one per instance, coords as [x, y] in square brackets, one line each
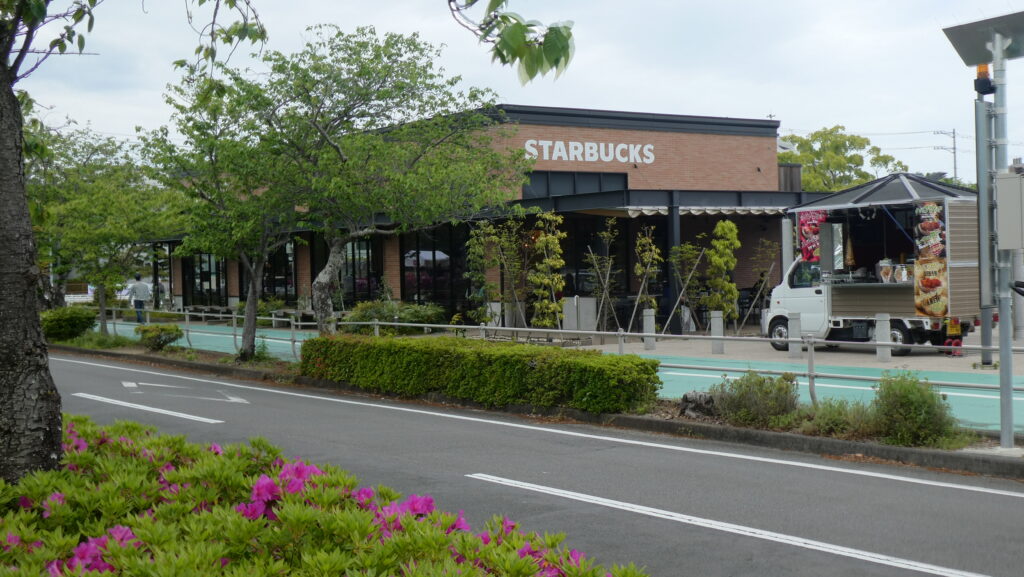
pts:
[532, 46]
[910, 412]
[156, 337]
[646, 270]
[722, 291]
[493, 374]
[500, 246]
[755, 400]
[602, 269]
[129, 501]
[545, 275]
[686, 261]
[388, 311]
[67, 323]
[833, 160]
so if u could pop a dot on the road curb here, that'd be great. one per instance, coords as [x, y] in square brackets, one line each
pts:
[962, 461]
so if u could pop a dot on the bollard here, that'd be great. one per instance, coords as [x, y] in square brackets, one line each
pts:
[622, 342]
[649, 329]
[483, 331]
[717, 330]
[376, 328]
[883, 352]
[795, 340]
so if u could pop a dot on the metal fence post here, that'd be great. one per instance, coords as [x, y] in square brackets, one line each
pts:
[649, 342]
[810, 371]
[234, 330]
[376, 328]
[622, 341]
[883, 352]
[188, 331]
[291, 322]
[795, 336]
[483, 330]
[717, 330]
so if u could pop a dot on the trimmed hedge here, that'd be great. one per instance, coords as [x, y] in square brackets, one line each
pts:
[386, 311]
[67, 323]
[492, 374]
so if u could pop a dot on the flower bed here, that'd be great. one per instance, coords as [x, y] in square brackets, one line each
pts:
[492, 374]
[131, 502]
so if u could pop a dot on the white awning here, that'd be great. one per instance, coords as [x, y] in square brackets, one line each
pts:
[635, 211]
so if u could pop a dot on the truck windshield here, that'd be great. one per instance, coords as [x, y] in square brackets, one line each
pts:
[805, 274]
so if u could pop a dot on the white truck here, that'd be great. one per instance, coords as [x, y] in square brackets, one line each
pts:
[913, 256]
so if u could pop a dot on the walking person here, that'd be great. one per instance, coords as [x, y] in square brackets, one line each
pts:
[138, 293]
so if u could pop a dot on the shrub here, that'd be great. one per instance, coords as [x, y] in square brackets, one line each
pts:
[264, 308]
[94, 340]
[129, 501]
[753, 400]
[157, 337]
[492, 374]
[911, 413]
[386, 311]
[66, 323]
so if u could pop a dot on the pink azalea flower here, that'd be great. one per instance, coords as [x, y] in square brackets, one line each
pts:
[124, 536]
[215, 449]
[12, 540]
[55, 568]
[527, 550]
[364, 497]
[265, 490]
[51, 501]
[298, 470]
[460, 524]
[89, 556]
[24, 502]
[295, 486]
[507, 526]
[252, 511]
[418, 505]
[485, 538]
[575, 557]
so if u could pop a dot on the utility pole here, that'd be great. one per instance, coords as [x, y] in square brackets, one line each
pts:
[952, 133]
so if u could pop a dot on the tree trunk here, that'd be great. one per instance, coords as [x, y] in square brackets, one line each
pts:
[30, 419]
[101, 301]
[326, 284]
[252, 305]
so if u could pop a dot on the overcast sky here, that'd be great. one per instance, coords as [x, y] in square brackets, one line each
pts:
[883, 69]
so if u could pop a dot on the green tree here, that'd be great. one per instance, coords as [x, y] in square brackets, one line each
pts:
[545, 277]
[833, 160]
[646, 269]
[383, 142]
[602, 269]
[722, 291]
[30, 407]
[99, 209]
[240, 181]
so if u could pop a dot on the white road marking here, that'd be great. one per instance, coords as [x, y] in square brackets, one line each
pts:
[226, 397]
[146, 408]
[576, 434]
[735, 529]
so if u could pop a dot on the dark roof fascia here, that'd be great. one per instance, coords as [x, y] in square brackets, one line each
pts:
[615, 199]
[618, 120]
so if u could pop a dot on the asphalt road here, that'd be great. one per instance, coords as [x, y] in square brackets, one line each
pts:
[677, 506]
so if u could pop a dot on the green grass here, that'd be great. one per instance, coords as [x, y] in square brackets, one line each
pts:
[95, 340]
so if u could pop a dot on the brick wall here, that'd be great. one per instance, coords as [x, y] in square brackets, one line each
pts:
[392, 265]
[304, 267]
[682, 161]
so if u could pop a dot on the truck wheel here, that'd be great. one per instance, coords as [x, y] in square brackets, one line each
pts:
[899, 334]
[778, 331]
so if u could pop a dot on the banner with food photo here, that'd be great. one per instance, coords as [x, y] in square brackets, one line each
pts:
[809, 226]
[931, 273]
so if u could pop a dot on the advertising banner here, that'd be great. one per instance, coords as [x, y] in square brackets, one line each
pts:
[809, 225]
[931, 272]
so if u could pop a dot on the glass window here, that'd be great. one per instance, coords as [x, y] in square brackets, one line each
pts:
[434, 265]
[805, 275]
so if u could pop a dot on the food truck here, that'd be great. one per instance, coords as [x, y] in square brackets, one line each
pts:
[901, 245]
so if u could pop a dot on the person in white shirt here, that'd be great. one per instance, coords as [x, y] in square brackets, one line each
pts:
[139, 293]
